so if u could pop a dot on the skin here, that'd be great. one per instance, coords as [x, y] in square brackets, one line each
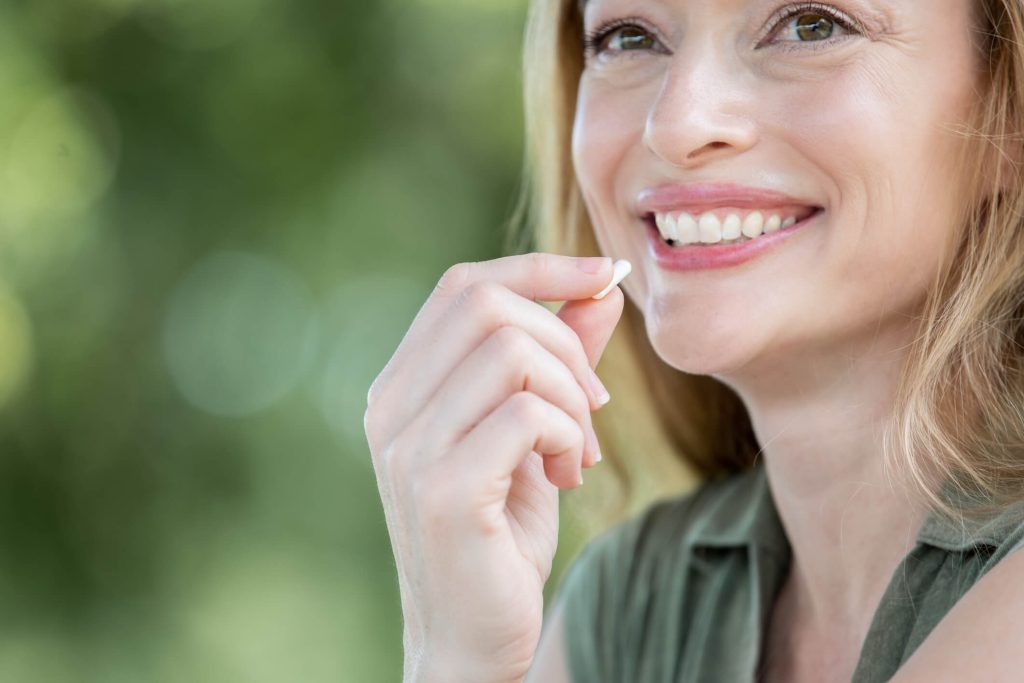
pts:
[478, 419]
[811, 336]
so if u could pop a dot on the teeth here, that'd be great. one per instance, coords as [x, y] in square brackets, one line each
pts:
[710, 228]
[685, 228]
[667, 226]
[731, 227]
[753, 224]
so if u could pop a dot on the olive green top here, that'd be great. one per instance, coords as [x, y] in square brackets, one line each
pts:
[682, 591]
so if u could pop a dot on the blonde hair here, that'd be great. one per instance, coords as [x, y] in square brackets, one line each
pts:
[959, 413]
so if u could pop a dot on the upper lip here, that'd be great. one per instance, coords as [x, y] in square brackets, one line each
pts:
[698, 197]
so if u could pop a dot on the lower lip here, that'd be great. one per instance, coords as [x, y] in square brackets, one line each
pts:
[710, 256]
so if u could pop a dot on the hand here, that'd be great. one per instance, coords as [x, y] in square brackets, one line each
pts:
[478, 419]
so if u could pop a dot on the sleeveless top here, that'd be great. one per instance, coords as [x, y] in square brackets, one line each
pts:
[681, 592]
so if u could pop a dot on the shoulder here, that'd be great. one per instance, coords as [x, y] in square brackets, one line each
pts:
[993, 537]
[1004, 536]
[982, 635]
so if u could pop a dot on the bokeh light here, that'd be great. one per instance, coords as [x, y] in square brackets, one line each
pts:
[61, 157]
[218, 218]
[240, 333]
[60, 147]
[377, 306]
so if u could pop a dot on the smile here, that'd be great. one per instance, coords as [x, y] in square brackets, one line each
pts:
[725, 225]
[718, 252]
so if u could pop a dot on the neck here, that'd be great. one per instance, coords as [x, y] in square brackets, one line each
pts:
[820, 428]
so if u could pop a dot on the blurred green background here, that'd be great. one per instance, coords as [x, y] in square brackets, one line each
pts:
[217, 220]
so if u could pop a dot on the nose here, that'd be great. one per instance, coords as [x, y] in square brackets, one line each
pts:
[702, 112]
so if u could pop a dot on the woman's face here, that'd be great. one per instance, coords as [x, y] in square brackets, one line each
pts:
[844, 107]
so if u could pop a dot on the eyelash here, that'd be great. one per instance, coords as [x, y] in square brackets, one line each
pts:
[785, 14]
[592, 39]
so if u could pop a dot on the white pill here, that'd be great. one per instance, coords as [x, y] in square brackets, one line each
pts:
[621, 269]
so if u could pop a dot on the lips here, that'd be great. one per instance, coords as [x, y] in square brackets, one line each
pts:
[718, 225]
[699, 198]
[702, 256]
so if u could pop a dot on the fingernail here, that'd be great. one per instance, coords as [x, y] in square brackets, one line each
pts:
[581, 479]
[621, 269]
[598, 389]
[597, 458]
[591, 264]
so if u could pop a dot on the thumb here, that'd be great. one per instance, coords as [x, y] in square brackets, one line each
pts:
[594, 320]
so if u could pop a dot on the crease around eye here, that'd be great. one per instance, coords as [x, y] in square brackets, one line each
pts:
[785, 19]
[595, 42]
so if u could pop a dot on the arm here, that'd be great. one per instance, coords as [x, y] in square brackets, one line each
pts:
[550, 664]
[982, 637]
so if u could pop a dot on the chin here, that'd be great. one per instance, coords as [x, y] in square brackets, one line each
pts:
[704, 354]
[727, 338]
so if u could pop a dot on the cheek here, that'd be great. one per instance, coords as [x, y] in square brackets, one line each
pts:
[609, 124]
[881, 136]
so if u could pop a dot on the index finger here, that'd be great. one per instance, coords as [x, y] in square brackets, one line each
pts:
[539, 276]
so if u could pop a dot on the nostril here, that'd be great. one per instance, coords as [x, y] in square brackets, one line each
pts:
[709, 147]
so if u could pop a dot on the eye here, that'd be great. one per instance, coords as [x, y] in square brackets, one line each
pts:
[812, 27]
[810, 23]
[621, 35]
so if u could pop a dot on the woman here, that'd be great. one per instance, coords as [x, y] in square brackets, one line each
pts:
[822, 205]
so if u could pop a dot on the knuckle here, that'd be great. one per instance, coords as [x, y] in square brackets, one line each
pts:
[370, 427]
[375, 396]
[482, 296]
[539, 265]
[375, 424]
[577, 438]
[382, 459]
[526, 407]
[393, 465]
[370, 419]
[454, 279]
[513, 344]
